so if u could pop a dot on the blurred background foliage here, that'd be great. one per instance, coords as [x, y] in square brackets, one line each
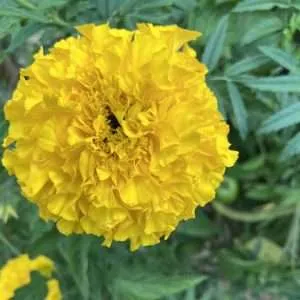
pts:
[245, 245]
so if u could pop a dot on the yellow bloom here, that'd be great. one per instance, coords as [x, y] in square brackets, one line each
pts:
[115, 133]
[53, 290]
[42, 264]
[16, 274]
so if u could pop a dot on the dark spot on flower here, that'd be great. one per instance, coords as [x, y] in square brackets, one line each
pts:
[180, 49]
[26, 77]
[113, 121]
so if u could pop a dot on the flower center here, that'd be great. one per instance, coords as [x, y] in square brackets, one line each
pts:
[113, 122]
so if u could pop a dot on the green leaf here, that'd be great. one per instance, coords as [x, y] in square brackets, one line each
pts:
[221, 97]
[211, 293]
[76, 253]
[239, 109]
[292, 148]
[233, 265]
[218, 2]
[156, 287]
[282, 58]
[96, 286]
[198, 228]
[154, 4]
[247, 64]
[254, 5]
[22, 35]
[107, 7]
[262, 29]
[8, 25]
[190, 294]
[158, 18]
[261, 192]
[214, 47]
[295, 4]
[265, 250]
[186, 5]
[127, 6]
[286, 117]
[288, 83]
[35, 290]
[45, 243]
[22, 13]
[46, 4]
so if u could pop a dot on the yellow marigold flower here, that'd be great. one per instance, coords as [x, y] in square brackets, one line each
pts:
[53, 290]
[42, 264]
[115, 133]
[16, 274]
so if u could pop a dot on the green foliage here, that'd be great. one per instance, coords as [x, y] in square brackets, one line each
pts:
[292, 147]
[264, 28]
[246, 65]
[282, 58]
[282, 119]
[287, 83]
[239, 109]
[243, 246]
[254, 5]
[214, 47]
[155, 287]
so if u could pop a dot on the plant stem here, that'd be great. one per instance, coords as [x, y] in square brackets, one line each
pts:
[55, 19]
[251, 217]
[26, 4]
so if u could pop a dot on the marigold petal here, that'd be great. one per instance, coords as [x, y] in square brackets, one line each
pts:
[54, 292]
[16, 273]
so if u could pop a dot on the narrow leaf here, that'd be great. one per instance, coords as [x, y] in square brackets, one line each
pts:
[190, 294]
[158, 18]
[254, 5]
[221, 97]
[186, 5]
[155, 4]
[127, 6]
[8, 25]
[282, 119]
[22, 35]
[157, 287]
[246, 65]
[292, 148]
[46, 4]
[288, 83]
[76, 253]
[215, 44]
[282, 58]
[262, 29]
[22, 13]
[199, 227]
[239, 109]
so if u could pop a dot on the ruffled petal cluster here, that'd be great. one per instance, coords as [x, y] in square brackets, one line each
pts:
[115, 133]
[16, 274]
[54, 292]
